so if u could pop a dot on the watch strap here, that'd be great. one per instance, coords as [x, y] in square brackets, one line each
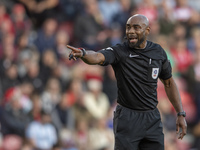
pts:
[183, 113]
[83, 50]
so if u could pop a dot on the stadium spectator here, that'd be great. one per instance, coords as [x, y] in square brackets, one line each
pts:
[147, 8]
[39, 10]
[108, 9]
[35, 114]
[89, 27]
[9, 78]
[95, 101]
[182, 56]
[51, 96]
[63, 115]
[42, 134]
[21, 22]
[46, 35]
[121, 16]
[13, 119]
[100, 136]
[81, 134]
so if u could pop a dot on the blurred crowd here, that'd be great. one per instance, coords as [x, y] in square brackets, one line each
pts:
[50, 103]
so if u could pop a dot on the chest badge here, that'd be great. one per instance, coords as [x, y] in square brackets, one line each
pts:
[155, 72]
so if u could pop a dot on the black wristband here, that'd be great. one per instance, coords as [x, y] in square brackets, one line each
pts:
[183, 113]
[83, 50]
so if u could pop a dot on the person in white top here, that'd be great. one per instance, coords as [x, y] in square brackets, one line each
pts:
[42, 134]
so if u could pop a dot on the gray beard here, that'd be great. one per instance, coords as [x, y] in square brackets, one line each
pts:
[131, 45]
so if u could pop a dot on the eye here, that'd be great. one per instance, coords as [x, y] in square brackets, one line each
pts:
[136, 27]
[128, 27]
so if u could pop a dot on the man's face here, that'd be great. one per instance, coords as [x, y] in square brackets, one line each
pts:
[136, 32]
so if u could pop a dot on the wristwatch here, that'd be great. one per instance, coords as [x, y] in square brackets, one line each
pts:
[183, 113]
[83, 50]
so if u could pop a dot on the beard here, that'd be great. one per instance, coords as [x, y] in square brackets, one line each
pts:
[137, 44]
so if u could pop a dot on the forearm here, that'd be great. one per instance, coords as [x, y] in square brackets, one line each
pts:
[90, 57]
[173, 95]
[93, 58]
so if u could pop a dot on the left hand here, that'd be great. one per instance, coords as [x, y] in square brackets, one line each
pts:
[181, 124]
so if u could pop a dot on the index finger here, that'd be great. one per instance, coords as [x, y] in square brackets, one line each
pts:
[73, 48]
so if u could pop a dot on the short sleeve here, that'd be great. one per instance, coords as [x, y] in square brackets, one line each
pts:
[110, 55]
[166, 70]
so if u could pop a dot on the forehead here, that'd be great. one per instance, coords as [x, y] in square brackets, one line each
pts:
[136, 21]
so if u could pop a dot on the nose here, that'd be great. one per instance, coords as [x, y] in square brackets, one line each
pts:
[131, 30]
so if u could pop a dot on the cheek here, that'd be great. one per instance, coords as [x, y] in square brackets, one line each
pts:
[126, 34]
[141, 35]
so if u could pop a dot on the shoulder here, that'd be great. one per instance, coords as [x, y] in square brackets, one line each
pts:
[153, 45]
[115, 47]
[155, 50]
[120, 48]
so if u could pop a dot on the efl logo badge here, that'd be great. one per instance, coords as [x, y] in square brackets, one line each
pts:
[155, 72]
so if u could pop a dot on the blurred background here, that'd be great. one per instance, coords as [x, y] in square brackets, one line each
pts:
[50, 103]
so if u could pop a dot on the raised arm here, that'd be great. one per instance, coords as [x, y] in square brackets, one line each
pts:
[174, 97]
[89, 57]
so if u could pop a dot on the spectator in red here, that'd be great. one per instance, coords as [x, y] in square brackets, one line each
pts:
[6, 25]
[149, 9]
[182, 11]
[13, 119]
[182, 56]
[3, 13]
[11, 142]
[20, 20]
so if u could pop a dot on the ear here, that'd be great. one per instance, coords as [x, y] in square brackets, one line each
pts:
[147, 31]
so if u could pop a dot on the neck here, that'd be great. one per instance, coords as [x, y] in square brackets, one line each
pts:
[142, 46]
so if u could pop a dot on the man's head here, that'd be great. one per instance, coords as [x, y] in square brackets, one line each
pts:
[137, 29]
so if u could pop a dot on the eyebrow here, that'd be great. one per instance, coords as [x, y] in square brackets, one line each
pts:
[133, 25]
[143, 25]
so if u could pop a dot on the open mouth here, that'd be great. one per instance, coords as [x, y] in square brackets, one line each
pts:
[133, 40]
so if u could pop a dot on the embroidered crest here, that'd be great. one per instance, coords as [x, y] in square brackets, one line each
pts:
[155, 72]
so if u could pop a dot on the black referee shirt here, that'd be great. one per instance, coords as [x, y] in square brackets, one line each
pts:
[137, 72]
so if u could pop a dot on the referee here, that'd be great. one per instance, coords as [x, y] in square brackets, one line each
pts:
[138, 63]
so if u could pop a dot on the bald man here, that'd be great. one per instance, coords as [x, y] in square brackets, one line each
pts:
[138, 63]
